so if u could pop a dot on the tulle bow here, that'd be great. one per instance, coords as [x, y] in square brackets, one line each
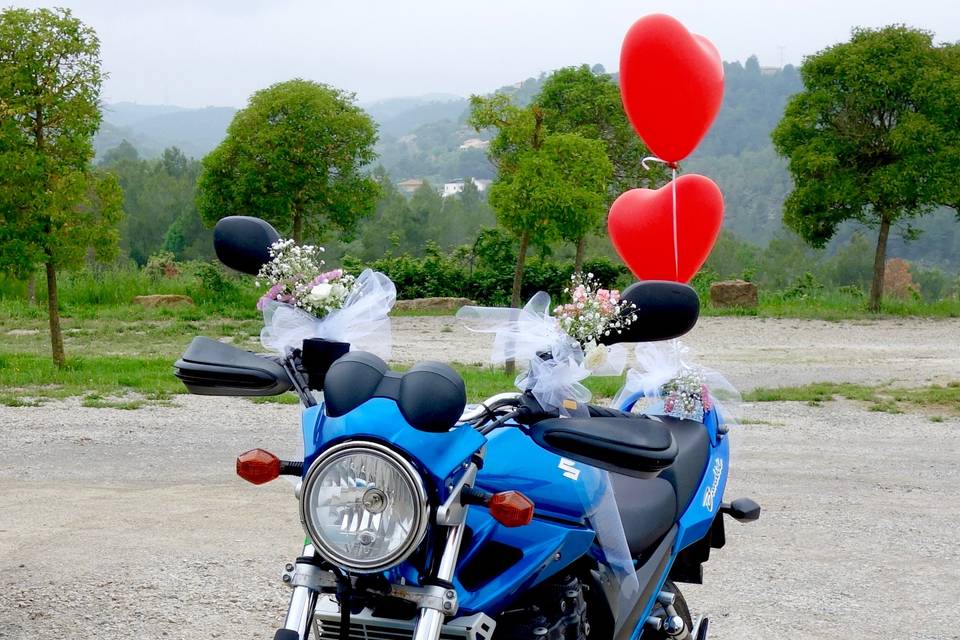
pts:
[362, 321]
[554, 364]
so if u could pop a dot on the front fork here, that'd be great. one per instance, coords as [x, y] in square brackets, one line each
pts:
[303, 601]
[431, 617]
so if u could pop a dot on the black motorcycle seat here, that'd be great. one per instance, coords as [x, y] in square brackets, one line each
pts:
[647, 509]
[650, 506]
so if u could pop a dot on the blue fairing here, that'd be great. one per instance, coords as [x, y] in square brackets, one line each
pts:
[514, 461]
[440, 456]
[696, 521]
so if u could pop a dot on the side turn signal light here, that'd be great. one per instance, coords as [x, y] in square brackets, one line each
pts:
[511, 508]
[258, 466]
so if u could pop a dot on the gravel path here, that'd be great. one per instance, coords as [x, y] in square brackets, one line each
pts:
[755, 352]
[119, 524]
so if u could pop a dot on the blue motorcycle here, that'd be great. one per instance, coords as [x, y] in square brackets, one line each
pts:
[431, 519]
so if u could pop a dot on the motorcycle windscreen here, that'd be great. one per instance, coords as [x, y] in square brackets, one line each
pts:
[617, 572]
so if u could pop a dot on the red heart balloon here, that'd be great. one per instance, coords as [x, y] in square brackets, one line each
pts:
[641, 227]
[671, 83]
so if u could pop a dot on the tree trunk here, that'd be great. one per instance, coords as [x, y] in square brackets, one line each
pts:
[879, 265]
[32, 288]
[297, 227]
[56, 337]
[517, 281]
[581, 247]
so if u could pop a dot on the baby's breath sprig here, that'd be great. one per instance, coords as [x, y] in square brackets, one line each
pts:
[593, 312]
[295, 276]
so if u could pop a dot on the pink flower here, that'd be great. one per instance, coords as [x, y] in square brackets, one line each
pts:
[272, 294]
[331, 275]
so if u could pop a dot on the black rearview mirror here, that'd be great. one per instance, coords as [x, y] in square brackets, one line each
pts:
[243, 242]
[664, 310]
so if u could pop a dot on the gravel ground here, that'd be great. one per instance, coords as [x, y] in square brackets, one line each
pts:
[118, 524]
[752, 352]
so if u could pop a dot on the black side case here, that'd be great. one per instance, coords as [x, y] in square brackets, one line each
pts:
[212, 368]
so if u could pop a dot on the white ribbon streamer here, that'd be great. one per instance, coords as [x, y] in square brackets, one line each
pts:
[362, 321]
[554, 364]
[673, 184]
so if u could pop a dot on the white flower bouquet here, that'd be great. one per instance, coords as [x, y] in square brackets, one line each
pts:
[296, 277]
[593, 312]
[304, 300]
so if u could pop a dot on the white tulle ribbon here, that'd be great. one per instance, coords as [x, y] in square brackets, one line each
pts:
[554, 364]
[362, 321]
[658, 363]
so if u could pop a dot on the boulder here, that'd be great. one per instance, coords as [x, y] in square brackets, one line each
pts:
[432, 304]
[162, 300]
[734, 293]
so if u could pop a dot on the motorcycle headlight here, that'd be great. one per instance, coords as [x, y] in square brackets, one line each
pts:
[364, 507]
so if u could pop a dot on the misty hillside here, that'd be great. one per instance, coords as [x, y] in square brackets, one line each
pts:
[153, 128]
[427, 137]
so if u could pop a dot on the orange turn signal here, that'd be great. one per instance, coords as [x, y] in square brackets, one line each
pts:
[258, 466]
[511, 508]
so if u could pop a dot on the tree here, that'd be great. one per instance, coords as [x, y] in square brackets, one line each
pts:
[294, 156]
[587, 101]
[549, 186]
[159, 198]
[872, 137]
[55, 207]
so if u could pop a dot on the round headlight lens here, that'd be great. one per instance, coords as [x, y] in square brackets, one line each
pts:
[364, 507]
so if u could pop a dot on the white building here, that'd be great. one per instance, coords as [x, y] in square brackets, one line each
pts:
[475, 143]
[456, 186]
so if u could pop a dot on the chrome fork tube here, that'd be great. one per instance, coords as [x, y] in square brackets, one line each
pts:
[303, 601]
[431, 620]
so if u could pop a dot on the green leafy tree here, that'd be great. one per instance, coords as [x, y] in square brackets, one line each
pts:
[873, 137]
[56, 209]
[549, 186]
[294, 156]
[584, 101]
[587, 101]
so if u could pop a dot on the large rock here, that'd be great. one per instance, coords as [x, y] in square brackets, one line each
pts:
[432, 304]
[734, 293]
[162, 300]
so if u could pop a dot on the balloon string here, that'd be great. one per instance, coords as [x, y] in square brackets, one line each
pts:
[676, 244]
[676, 249]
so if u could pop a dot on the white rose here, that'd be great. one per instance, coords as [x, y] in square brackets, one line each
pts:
[595, 357]
[319, 292]
[338, 290]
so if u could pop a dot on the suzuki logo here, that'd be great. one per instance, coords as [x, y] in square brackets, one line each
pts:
[569, 468]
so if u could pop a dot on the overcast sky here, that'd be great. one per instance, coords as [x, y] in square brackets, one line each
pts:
[217, 52]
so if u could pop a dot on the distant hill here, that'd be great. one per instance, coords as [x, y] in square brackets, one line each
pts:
[153, 128]
[124, 114]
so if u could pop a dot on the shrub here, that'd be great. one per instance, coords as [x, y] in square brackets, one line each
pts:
[477, 274]
[162, 265]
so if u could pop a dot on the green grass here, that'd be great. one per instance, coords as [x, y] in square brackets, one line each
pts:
[834, 306]
[126, 382]
[104, 381]
[884, 398]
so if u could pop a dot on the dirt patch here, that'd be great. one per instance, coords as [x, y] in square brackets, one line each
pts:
[754, 352]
